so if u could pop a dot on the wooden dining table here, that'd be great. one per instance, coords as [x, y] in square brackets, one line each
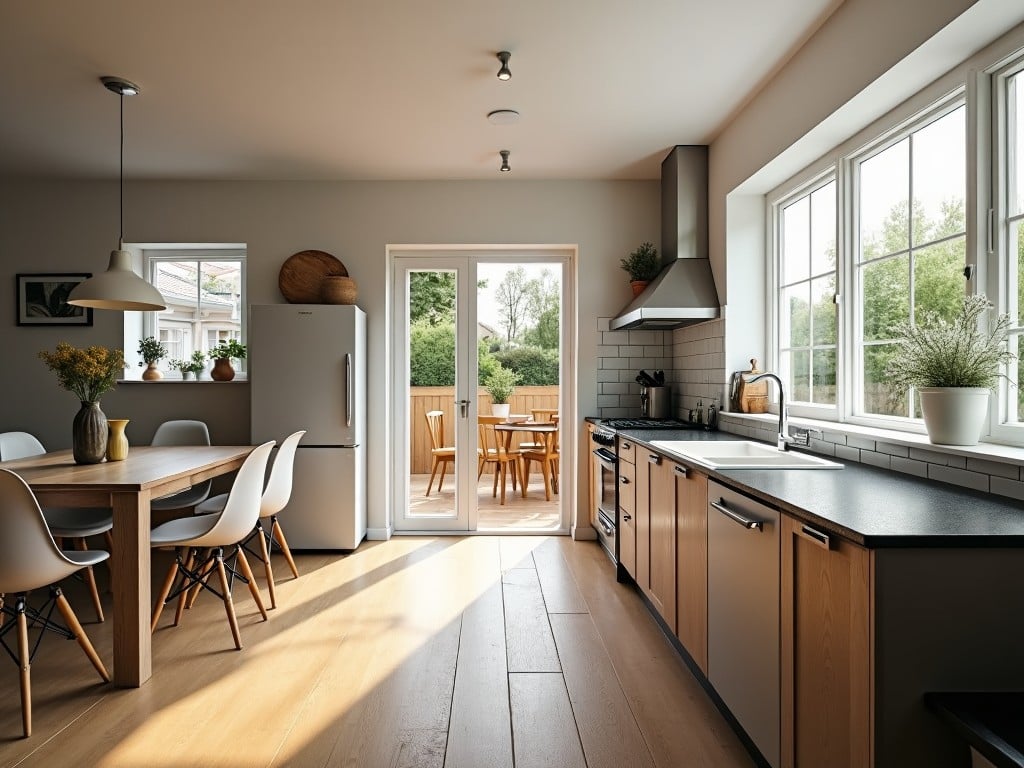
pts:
[545, 429]
[127, 487]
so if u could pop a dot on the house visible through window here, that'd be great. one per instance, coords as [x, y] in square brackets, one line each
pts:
[204, 291]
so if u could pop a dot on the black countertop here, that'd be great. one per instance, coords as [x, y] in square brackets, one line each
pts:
[873, 507]
[991, 722]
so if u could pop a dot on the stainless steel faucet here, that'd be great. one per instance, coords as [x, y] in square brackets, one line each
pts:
[783, 438]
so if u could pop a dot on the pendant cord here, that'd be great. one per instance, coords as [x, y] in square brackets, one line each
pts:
[120, 222]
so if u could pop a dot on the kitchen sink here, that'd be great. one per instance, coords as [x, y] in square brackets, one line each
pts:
[741, 454]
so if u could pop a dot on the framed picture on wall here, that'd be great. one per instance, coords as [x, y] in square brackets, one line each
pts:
[42, 299]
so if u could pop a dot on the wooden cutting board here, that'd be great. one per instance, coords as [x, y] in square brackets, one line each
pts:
[302, 274]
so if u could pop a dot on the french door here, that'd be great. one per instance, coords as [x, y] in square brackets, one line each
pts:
[456, 316]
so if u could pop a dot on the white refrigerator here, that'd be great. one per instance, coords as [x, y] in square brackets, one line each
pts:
[307, 370]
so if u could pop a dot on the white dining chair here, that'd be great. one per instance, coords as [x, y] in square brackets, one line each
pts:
[276, 494]
[212, 534]
[182, 432]
[74, 524]
[31, 560]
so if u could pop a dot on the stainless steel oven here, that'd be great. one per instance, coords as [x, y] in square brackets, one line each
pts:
[605, 489]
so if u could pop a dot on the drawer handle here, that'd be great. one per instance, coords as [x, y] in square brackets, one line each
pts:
[626, 446]
[747, 522]
[626, 516]
[653, 458]
[680, 470]
[623, 479]
[819, 538]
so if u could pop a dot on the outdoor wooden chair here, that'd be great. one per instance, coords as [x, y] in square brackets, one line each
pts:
[440, 453]
[547, 456]
[492, 450]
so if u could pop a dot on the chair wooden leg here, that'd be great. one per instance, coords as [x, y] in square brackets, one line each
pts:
[165, 590]
[545, 470]
[179, 609]
[504, 478]
[522, 476]
[108, 537]
[83, 640]
[254, 590]
[25, 665]
[265, 556]
[430, 482]
[279, 536]
[526, 474]
[229, 606]
[444, 468]
[90, 579]
[204, 578]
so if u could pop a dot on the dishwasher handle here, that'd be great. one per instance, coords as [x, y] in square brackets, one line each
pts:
[747, 522]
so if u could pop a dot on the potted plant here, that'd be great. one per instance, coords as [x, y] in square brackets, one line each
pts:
[192, 366]
[642, 267]
[152, 351]
[953, 366]
[499, 386]
[222, 355]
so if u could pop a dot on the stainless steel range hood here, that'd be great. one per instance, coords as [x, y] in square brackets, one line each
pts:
[684, 292]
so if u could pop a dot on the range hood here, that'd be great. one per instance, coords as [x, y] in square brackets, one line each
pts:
[684, 291]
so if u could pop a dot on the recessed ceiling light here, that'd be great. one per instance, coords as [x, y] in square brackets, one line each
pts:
[503, 117]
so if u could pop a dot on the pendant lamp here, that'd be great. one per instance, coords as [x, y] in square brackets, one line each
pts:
[119, 287]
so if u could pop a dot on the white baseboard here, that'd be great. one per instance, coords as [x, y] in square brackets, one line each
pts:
[584, 532]
[378, 534]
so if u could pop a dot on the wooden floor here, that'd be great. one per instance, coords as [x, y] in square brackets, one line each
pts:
[530, 513]
[420, 652]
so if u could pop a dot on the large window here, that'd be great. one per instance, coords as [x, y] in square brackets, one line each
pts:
[204, 291]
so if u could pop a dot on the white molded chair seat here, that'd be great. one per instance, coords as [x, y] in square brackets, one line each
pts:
[75, 523]
[30, 560]
[275, 497]
[182, 432]
[215, 533]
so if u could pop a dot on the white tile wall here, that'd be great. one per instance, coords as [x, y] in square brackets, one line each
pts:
[698, 368]
[622, 355]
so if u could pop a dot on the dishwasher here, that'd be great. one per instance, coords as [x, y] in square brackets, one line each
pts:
[743, 614]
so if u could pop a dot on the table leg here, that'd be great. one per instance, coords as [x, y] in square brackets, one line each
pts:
[130, 572]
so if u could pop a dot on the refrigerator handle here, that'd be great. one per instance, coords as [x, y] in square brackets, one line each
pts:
[348, 389]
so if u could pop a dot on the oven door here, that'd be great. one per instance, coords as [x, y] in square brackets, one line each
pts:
[606, 487]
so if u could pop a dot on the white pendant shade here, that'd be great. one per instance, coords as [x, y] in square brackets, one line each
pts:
[117, 288]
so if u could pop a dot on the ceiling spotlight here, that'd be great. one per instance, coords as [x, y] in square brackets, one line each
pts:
[504, 160]
[503, 117]
[504, 73]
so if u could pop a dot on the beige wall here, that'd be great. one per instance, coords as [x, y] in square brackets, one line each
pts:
[60, 226]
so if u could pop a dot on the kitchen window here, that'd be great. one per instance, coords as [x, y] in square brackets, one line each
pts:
[205, 295]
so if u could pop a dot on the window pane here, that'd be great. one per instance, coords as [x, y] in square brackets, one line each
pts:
[1015, 138]
[795, 241]
[800, 380]
[886, 296]
[938, 279]
[177, 283]
[824, 321]
[884, 201]
[824, 376]
[1015, 252]
[796, 300]
[1017, 346]
[939, 181]
[877, 396]
[823, 229]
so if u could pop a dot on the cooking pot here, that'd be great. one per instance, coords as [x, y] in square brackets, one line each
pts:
[656, 402]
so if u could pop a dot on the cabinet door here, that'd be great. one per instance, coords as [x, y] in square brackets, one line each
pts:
[662, 514]
[692, 563]
[825, 650]
[643, 519]
[627, 518]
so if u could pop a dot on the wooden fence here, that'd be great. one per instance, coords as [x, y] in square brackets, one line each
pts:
[423, 399]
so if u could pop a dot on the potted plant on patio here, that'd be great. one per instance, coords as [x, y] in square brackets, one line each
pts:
[222, 355]
[954, 366]
[499, 386]
[642, 267]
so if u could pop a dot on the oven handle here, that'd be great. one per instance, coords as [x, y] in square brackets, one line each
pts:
[609, 464]
[607, 527]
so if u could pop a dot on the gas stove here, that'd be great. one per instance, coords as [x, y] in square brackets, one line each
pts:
[647, 424]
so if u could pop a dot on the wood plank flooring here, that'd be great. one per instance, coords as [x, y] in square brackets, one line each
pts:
[420, 652]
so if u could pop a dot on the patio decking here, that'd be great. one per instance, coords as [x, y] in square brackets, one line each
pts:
[532, 513]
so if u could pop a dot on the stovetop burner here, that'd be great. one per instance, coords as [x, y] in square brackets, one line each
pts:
[647, 424]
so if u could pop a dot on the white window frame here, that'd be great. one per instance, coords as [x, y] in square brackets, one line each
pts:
[152, 256]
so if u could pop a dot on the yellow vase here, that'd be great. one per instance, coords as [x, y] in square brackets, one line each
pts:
[117, 440]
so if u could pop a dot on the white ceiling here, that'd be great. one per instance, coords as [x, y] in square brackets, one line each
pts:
[384, 89]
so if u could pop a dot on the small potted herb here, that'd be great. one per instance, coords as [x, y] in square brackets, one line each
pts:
[190, 367]
[642, 266]
[152, 351]
[499, 386]
[222, 355]
[953, 366]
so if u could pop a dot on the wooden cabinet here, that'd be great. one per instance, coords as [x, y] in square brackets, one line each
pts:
[691, 490]
[627, 513]
[661, 513]
[826, 670]
[634, 484]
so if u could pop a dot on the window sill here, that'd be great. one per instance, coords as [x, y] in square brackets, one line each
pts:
[236, 380]
[851, 433]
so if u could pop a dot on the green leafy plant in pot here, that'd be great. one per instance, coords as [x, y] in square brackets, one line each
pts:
[152, 352]
[642, 266]
[222, 355]
[499, 386]
[954, 366]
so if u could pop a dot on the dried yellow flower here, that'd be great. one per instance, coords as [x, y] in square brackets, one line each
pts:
[88, 373]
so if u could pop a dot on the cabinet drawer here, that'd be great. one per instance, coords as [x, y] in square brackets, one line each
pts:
[627, 487]
[626, 450]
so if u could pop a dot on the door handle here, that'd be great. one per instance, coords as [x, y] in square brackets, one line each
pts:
[747, 522]
[681, 470]
[819, 538]
[348, 389]
[463, 407]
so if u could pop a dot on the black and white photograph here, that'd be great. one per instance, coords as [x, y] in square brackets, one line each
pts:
[42, 299]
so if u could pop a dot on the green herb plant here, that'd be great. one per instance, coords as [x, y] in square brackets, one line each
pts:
[151, 351]
[230, 349]
[500, 384]
[642, 264]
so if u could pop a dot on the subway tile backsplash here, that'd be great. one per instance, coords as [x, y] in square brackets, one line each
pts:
[622, 355]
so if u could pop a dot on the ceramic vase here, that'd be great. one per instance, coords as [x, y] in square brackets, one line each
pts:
[500, 409]
[954, 415]
[152, 373]
[89, 434]
[222, 370]
[117, 440]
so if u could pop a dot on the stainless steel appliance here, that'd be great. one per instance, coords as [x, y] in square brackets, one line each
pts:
[656, 402]
[307, 367]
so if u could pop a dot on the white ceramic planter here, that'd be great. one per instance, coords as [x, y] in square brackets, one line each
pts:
[954, 415]
[500, 409]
